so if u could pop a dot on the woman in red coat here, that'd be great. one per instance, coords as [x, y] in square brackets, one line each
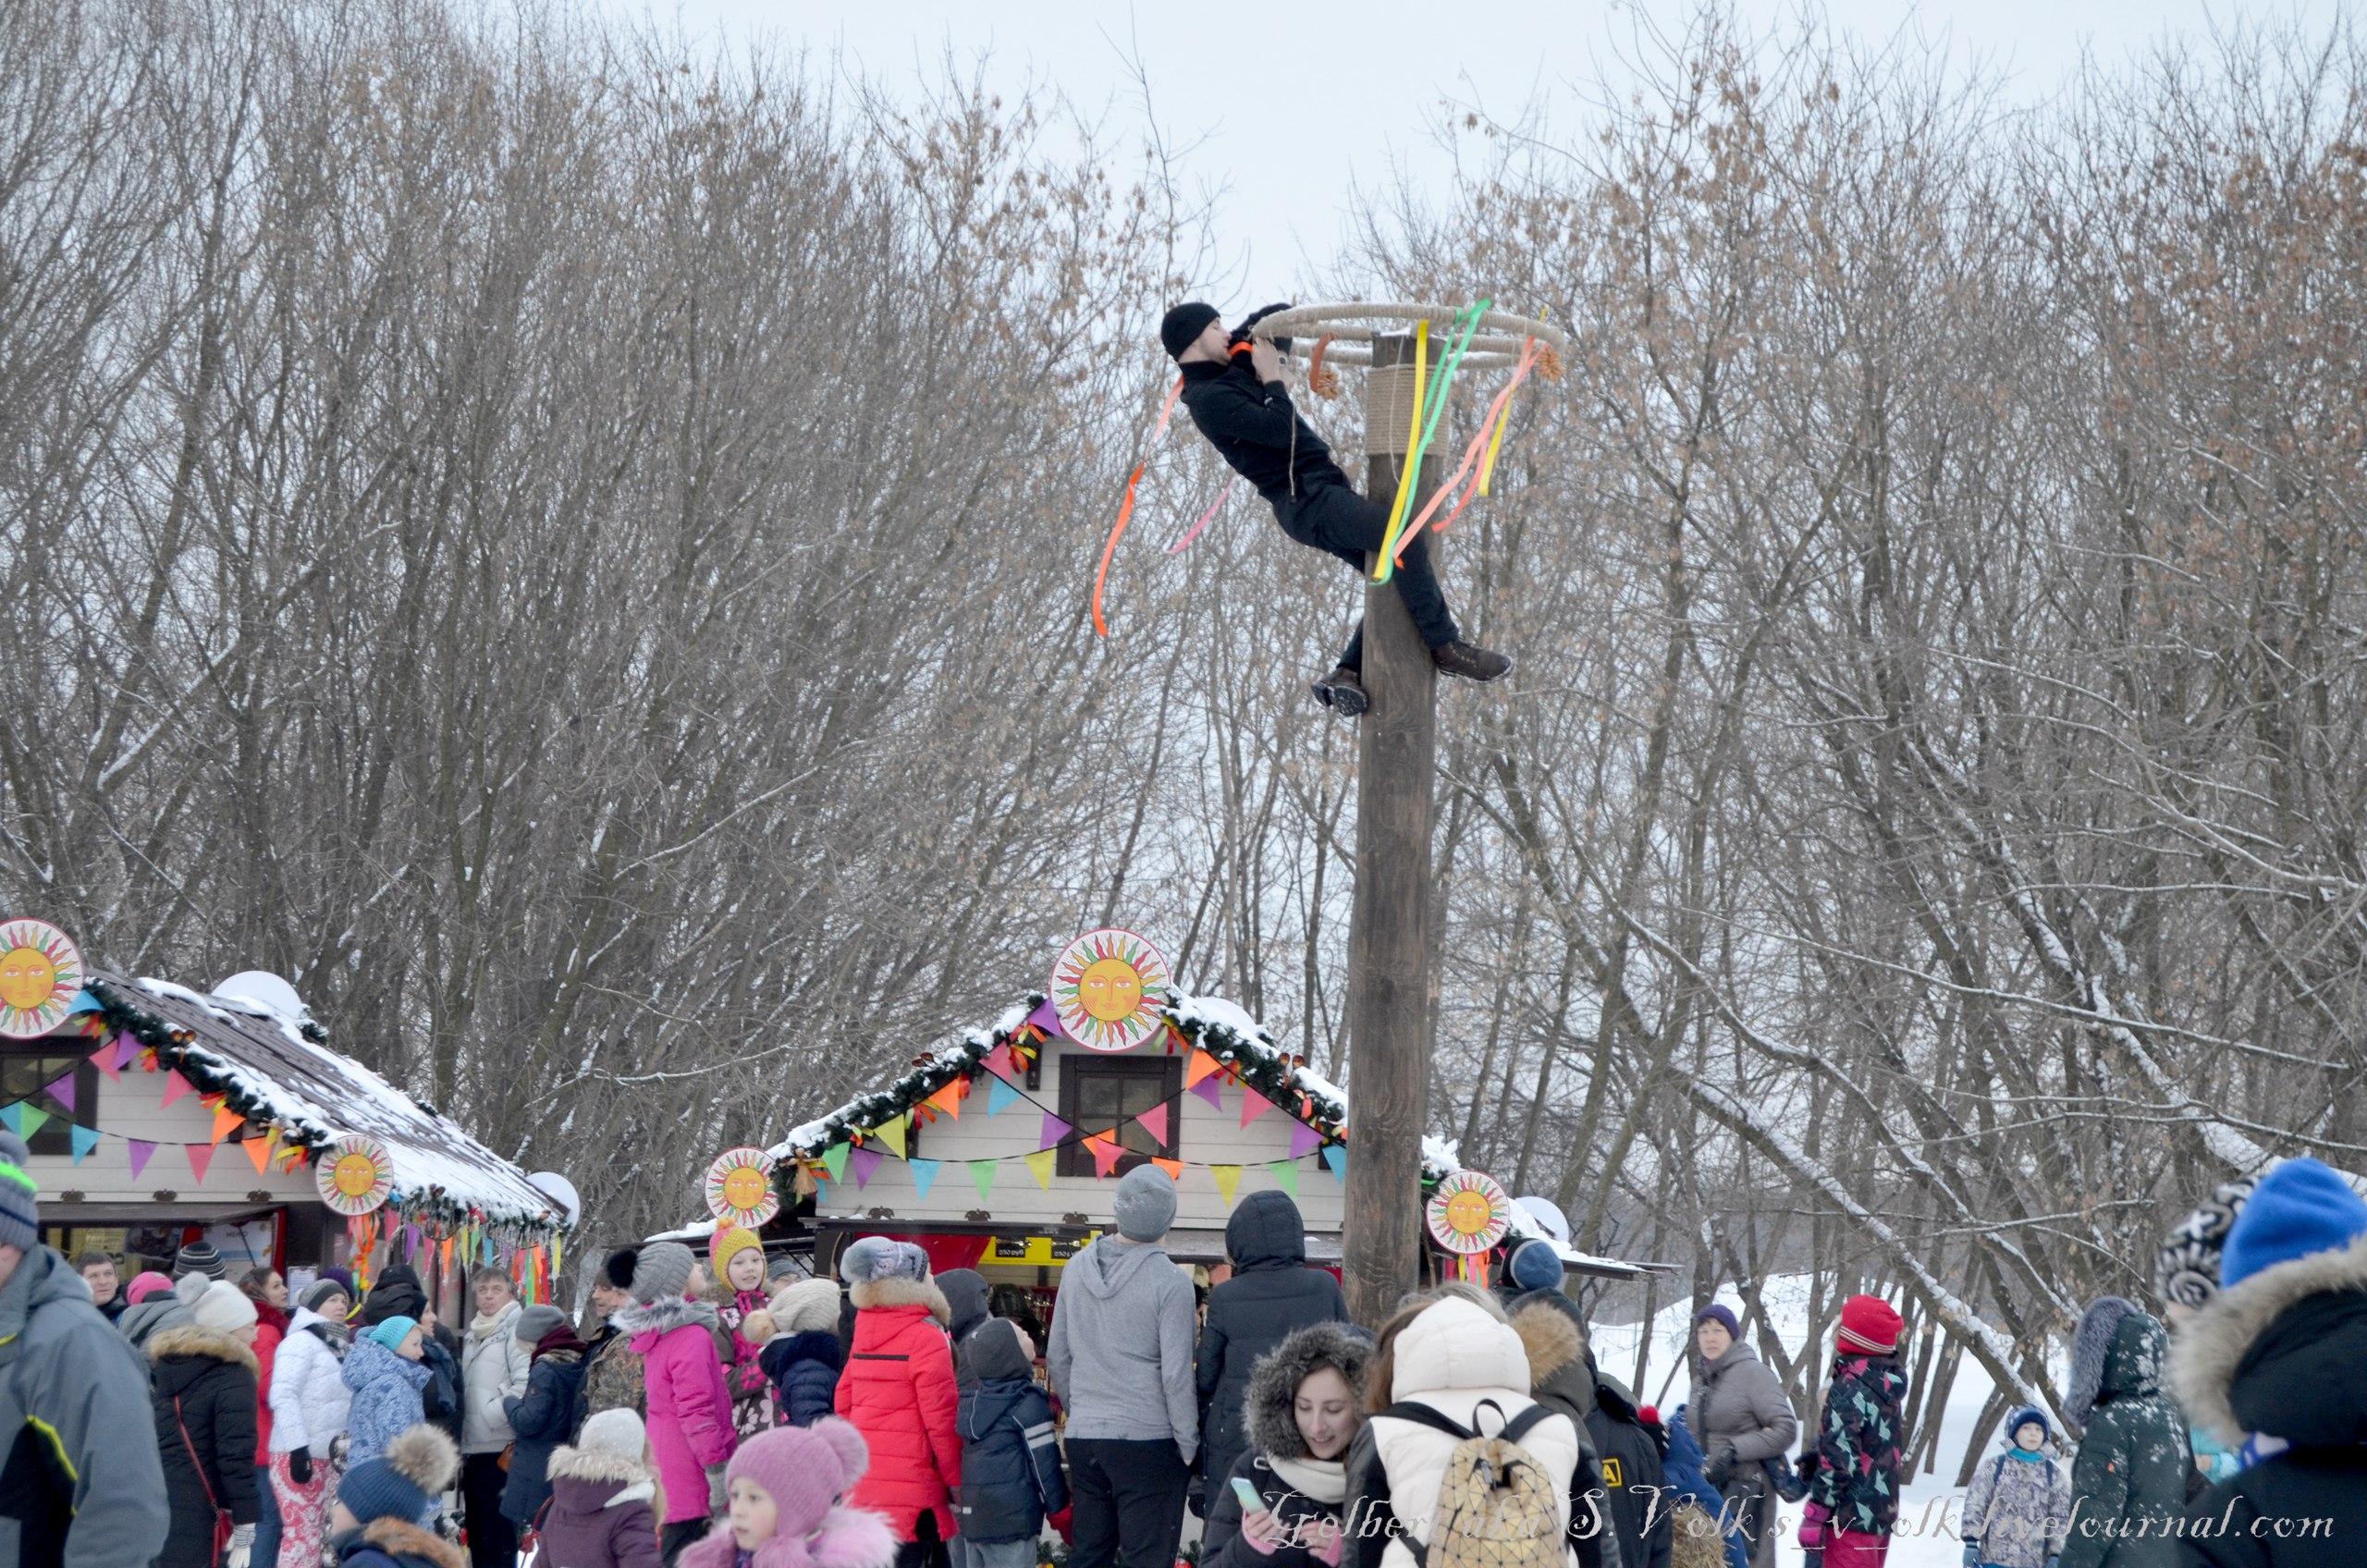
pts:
[898, 1388]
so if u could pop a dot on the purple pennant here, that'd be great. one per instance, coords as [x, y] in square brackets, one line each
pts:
[1304, 1140]
[1046, 1017]
[1211, 1089]
[1054, 1131]
[865, 1162]
[141, 1152]
[63, 1092]
[127, 1050]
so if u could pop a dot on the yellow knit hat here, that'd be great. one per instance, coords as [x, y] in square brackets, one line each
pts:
[727, 1246]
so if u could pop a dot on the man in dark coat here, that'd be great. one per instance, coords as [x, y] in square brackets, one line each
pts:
[2128, 1479]
[1236, 395]
[965, 1294]
[2275, 1366]
[1273, 1293]
[1632, 1474]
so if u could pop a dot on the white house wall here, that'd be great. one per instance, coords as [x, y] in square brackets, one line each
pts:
[133, 1107]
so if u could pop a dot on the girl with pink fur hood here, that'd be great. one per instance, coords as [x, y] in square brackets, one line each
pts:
[785, 1485]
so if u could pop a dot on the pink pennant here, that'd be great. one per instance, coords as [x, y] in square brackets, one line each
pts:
[1304, 1140]
[1054, 1130]
[1154, 1121]
[1253, 1105]
[999, 1062]
[865, 1162]
[175, 1086]
[1211, 1089]
[200, 1156]
[103, 1059]
[1106, 1153]
[142, 1153]
[63, 1092]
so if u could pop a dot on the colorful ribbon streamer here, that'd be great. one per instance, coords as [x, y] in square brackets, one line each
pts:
[1127, 511]
[1218, 506]
[1413, 436]
[1427, 424]
[1490, 435]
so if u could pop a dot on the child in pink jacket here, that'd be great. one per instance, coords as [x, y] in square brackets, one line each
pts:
[690, 1406]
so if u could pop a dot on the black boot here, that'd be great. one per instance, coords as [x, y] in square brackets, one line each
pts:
[1342, 691]
[1461, 658]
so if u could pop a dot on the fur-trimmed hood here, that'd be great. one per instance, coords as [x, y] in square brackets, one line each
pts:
[586, 1465]
[1551, 1337]
[663, 1315]
[192, 1338]
[399, 1539]
[898, 1290]
[2115, 1353]
[1268, 1407]
[2231, 1340]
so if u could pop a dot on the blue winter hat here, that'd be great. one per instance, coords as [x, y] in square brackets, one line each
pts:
[391, 1332]
[2301, 1208]
[1536, 1266]
[397, 1485]
[2023, 1417]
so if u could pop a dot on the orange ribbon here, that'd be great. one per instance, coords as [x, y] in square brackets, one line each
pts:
[1127, 511]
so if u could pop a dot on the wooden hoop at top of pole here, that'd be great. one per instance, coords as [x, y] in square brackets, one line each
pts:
[1351, 326]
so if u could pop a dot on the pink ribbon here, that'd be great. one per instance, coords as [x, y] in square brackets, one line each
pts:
[1226, 495]
[1528, 357]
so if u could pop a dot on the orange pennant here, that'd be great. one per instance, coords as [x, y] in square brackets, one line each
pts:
[1199, 1067]
[1174, 1167]
[948, 1099]
[259, 1151]
[226, 1122]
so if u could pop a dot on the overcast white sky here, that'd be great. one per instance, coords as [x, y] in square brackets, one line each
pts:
[1280, 101]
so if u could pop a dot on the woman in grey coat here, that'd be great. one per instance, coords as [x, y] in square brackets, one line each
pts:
[1740, 1413]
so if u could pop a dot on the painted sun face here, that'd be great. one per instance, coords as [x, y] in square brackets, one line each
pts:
[40, 971]
[27, 978]
[1109, 989]
[744, 1188]
[1466, 1212]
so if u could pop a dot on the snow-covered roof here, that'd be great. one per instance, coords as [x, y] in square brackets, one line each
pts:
[268, 1066]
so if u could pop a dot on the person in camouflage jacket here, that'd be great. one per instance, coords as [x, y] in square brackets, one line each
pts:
[2020, 1503]
[612, 1375]
[1853, 1492]
[2129, 1478]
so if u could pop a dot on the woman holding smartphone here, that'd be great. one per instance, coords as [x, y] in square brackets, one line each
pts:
[1281, 1506]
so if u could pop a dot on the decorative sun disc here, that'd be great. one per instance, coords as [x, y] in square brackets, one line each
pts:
[740, 1187]
[1109, 987]
[354, 1175]
[40, 973]
[1468, 1213]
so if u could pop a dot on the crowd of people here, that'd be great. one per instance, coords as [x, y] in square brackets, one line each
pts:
[725, 1412]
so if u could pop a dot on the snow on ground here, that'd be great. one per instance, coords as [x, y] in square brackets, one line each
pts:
[1931, 1502]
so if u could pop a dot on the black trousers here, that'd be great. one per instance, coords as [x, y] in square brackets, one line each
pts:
[493, 1540]
[1334, 518]
[672, 1539]
[1128, 1499]
[924, 1551]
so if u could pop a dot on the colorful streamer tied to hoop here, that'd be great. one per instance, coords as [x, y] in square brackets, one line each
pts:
[1429, 411]
[1413, 436]
[1489, 440]
[1217, 506]
[1127, 511]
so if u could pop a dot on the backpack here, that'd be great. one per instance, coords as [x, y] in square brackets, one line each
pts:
[1497, 1507]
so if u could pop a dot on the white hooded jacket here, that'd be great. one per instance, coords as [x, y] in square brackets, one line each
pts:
[493, 1368]
[309, 1398]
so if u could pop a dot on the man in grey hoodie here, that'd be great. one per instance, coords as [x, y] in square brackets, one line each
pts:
[1121, 1359]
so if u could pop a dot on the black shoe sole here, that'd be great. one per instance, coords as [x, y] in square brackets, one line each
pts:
[1478, 680]
[1348, 702]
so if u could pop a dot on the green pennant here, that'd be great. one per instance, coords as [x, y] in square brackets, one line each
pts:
[1285, 1173]
[31, 1120]
[982, 1175]
[834, 1160]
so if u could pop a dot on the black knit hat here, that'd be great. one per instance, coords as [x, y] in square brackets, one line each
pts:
[618, 1269]
[1183, 324]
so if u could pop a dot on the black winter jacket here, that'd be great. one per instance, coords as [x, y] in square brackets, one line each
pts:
[1011, 1461]
[203, 1385]
[966, 1295]
[805, 1368]
[543, 1420]
[1271, 1294]
[2284, 1354]
[1297, 1489]
[1255, 428]
[1630, 1457]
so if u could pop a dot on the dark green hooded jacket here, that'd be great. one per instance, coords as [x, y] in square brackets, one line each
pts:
[2128, 1482]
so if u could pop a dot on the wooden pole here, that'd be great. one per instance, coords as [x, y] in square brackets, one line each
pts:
[1389, 1032]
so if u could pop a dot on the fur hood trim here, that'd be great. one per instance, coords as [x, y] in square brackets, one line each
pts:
[1551, 1340]
[581, 1464]
[666, 1314]
[2212, 1344]
[425, 1457]
[1269, 1406]
[898, 1290]
[192, 1339]
[2092, 1347]
[400, 1538]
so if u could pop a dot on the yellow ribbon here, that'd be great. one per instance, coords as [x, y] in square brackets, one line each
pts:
[1405, 473]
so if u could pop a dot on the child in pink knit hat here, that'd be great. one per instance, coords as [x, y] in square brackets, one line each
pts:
[784, 1486]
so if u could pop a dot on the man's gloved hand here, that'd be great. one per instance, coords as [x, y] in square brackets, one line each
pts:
[241, 1548]
[717, 1500]
[299, 1466]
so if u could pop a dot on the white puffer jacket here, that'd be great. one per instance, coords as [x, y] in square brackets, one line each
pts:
[493, 1367]
[308, 1392]
[1451, 1358]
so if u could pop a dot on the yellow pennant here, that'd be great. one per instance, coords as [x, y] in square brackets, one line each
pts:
[1039, 1165]
[1228, 1177]
[893, 1134]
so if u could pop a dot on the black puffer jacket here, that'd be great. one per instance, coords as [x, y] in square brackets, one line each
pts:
[1255, 428]
[1640, 1514]
[965, 1294]
[2283, 1353]
[1299, 1490]
[203, 1391]
[1011, 1461]
[1272, 1292]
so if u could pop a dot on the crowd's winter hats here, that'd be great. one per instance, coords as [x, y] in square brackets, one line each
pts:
[191, 1289]
[782, 1267]
[19, 1216]
[225, 1307]
[320, 1292]
[199, 1257]
[392, 1332]
[1535, 1265]
[807, 1307]
[1719, 1312]
[618, 1434]
[2186, 1272]
[804, 1469]
[2023, 1417]
[2301, 1208]
[1871, 1325]
[536, 1321]
[142, 1286]
[662, 1269]
[1145, 1205]
[876, 1258]
[1183, 324]
[398, 1483]
[729, 1243]
[618, 1269]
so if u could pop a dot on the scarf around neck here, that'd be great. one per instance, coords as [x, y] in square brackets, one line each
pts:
[1325, 1480]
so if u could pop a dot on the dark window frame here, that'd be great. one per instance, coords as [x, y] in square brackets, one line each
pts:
[53, 1136]
[1076, 1071]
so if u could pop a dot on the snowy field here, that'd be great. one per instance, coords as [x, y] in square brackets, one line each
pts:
[1931, 1504]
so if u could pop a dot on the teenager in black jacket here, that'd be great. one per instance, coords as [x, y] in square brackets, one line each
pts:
[1237, 398]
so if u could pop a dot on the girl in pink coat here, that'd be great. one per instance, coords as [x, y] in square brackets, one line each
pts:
[690, 1406]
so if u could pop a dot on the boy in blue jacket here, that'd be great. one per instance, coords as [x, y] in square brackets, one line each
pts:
[1010, 1464]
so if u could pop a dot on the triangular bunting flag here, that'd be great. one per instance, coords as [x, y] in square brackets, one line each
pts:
[84, 1002]
[1336, 1156]
[126, 1049]
[1106, 1153]
[1046, 1017]
[1154, 1121]
[142, 1153]
[1253, 1105]
[1198, 1065]
[1304, 1140]
[175, 1086]
[200, 1156]
[998, 1095]
[982, 1176]
[1285, 1173]
[1174, 1167]
[1052, 1132]
[999, 1061]
[103, 1059]
[62, 1092]
[865, 1161]
[890, 1133]
[948, 1099]
[1211, 1089]
[12, 1117]
[1228, 1177]
[84, 1139]
[31, 1121]
[834, 1160]
[226, 1121]
[924, 1174]
[259, 1151]
[1039, 1165]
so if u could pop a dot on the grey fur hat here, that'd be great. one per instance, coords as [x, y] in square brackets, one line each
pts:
[870, 1258]
[1267, 1406]
[2092, 1349]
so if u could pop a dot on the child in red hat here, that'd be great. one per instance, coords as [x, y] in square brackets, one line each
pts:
[1853, 1489]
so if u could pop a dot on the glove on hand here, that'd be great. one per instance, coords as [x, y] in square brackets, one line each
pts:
[1972, 1554]
[241, 1548]
[1812, 1520]
[299, 1466]
[718, 1501]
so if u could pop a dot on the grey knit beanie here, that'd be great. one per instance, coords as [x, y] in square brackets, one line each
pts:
[662, 1269]
[19, 1219]
[1145, 1204]
[536, 1321]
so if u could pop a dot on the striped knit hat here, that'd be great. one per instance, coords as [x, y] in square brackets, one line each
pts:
[19, 1219]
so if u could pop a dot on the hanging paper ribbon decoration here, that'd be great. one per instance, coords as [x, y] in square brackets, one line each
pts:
[1413, 436]
[1492, 433]
[740, 1187]
[1323, 382]
[1430, 409]
[354, 1175]
[1215, 506]
[1468, 1213]
[1126, 509]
